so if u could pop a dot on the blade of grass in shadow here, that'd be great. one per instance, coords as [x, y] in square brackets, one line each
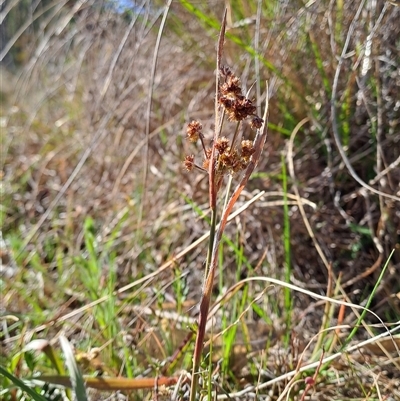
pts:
[286, 246]
[77, 381]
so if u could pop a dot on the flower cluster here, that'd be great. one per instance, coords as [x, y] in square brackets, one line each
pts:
[236, 105]
[228, 157]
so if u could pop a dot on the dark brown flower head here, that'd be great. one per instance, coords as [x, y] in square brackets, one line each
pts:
[237, 108]
[247, 104]
[241, 109]
[189, 162]
[247, 149]
[222, 144]
[227, 158]
[230, 160]
[193, 131]
[256, 122]
[227, 102]
[231, 87]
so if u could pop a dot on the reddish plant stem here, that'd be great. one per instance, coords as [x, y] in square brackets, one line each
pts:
[216, 239]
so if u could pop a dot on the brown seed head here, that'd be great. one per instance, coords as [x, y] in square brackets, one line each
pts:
[242, 108]
[226, 158]
[256, 122]
[230, 160]
[231, 87]
[189, 162]
[193, 131]
[222, 144]
[247, 149]
[227, 102]
[238, 107]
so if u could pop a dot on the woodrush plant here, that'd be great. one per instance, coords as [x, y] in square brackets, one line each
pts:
[226, 156]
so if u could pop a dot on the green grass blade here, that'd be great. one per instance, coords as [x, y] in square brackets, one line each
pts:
[286, 244]
[21, 385]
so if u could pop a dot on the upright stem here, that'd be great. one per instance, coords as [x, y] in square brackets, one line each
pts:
[212, 258]
[204, 307]
[214, 184]
[210, 242]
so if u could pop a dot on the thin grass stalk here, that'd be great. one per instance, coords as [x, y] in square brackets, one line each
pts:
[325, 317]
[148, 113]
[286, 244]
